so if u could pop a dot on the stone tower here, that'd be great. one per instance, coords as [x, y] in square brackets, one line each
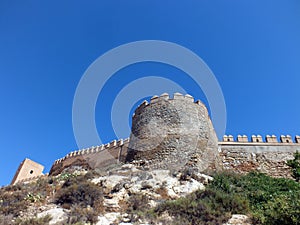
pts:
[27, 169]
[171, 133]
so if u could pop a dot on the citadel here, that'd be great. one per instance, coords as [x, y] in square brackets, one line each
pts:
[174, 133]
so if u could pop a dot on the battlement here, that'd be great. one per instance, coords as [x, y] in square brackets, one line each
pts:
[174, 132]
[93, 149]
[166, 97]
[171, 127]
[258, 139]
[93, 157]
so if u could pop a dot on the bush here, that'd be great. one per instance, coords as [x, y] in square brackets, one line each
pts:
[12, 203]
[204, 207]
[79, 215]
[65, 176]
[16, 198]
[265, 199]
[295, 166]
[77, 190]
[272, 200]
[34, 221]
[137, 202]
[34, 197]
[137, 206]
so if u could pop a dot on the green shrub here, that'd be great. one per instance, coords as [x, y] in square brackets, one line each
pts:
[34, 197]
[204, 207]
[272, 200]
[295, 166]
[65, 176]
[265, 199]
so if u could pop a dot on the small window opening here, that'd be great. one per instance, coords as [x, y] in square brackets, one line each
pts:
[257, 140]
[228, 139]
[31, 172]
[287, 141]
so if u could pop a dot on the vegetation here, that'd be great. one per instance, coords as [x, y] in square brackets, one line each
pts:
[212, 206]
[79, 215]
[79, 191]
[271, 200]
[34, 221]
[295, 166]
[66, 189]
[265, 199]
[82, 197]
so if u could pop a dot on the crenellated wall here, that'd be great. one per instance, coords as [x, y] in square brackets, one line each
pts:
[267, 155]
[172, 132]
[259, 139]
[94, 157]
[241, 154]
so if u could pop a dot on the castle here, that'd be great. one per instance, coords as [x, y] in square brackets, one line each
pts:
[173, 133]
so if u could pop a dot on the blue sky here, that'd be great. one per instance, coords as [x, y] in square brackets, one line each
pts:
[252, 47]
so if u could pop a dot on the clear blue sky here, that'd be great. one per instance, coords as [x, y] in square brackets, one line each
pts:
[253, 48]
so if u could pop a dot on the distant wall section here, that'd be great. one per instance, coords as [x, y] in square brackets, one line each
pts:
[95, 157]
[265, 155]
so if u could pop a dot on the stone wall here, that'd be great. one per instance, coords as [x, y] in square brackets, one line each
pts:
[170, 133]
[240, 156]
[268, 156]
[94, 157]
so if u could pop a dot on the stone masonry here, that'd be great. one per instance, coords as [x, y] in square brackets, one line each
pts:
[171, 133]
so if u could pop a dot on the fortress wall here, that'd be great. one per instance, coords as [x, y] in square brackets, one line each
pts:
[172, 133]
[94, 157]
[265, 155]
[240, 154]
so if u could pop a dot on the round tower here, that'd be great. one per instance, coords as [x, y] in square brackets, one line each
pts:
[171, 133]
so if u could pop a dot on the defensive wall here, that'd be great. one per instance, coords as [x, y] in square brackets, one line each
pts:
[239, 154]
[94, 157]
[266, 155]
[171, 132]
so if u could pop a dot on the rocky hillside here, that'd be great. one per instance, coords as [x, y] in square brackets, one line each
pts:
[127, 195]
